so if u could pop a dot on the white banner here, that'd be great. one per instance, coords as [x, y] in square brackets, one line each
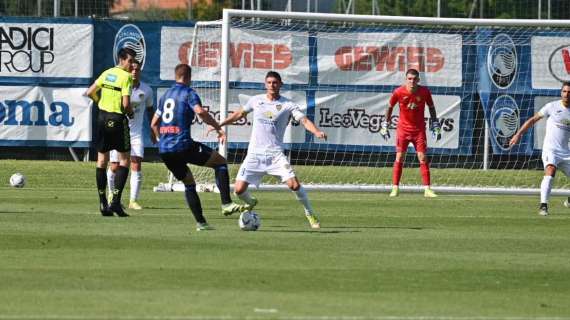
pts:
[383, 58]
[240, 132]
[550, 61]
[354, 118]
[46, 50]
[44, 114]
[253, 53]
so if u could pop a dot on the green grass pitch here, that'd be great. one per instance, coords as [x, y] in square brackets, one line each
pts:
[454, 257]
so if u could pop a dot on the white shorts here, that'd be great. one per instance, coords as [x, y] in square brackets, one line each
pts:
[137, 150]
[255, 166]
[560, 161]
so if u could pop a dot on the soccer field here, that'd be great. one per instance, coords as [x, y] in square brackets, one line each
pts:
[453, 257]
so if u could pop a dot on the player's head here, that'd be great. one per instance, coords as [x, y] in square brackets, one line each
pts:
[412, 78]
[183, 73]
[126, 58]
[136, 70]
[273, 82]
[565, 92]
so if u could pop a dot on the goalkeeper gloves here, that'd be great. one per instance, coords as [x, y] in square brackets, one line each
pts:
[435, 129]
[384, 130]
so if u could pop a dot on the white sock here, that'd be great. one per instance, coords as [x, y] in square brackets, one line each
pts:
[136, 182]
[545, 187]
[301, 195]
[110, 180]
[245, 197]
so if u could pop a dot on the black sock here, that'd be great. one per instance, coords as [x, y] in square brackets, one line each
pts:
[223, 182]
[194, 202]
[101, 177]
[120, 180]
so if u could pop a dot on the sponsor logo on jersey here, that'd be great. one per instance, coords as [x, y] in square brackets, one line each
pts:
[502, 61]
[559, 63]
[505, 119]
[268, 114]
[130, 36]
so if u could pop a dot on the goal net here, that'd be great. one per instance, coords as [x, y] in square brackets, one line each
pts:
[486, 77]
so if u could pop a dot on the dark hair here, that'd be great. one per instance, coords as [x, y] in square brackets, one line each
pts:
[273, 74]
[182, 70]
[565, 84]
[124, 53]
[413, 72]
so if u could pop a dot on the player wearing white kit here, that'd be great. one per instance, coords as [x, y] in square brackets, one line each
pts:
[271, 113]
[555, 151]
[142, 100]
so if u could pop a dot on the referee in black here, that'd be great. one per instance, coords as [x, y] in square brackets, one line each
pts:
[112, 132]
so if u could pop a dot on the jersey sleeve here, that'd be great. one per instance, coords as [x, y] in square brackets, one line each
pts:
[194, 100]
[249, 105]
[149, 98]
[158, 111]
[545, 111]
[296, 112]
[394, 98]
[99, 81]
[428, 98]
[127, 87]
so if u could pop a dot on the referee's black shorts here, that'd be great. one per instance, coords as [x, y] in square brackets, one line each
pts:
[112, 132]
[198, 154]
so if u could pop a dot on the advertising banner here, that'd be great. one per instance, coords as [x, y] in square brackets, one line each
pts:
[252, 54]
[39, 50]
[42, 116]
[382, 58]
[354, 118]
[550, 61]
[505, 113]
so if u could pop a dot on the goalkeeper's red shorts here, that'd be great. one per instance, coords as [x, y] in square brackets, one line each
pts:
[417, 138]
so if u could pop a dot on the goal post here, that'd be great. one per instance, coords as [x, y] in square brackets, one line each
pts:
[487, 76]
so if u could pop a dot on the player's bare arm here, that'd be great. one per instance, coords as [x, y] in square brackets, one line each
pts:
[154, 132]
[92, 92]
[235, 116]
[207, 118]
[527, 125]
[310, 126]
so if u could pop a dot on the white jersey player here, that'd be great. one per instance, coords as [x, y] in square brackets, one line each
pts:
[142, 100]
[555, 150]
[271, 114]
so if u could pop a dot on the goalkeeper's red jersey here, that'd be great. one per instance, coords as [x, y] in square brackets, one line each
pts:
[412, 107]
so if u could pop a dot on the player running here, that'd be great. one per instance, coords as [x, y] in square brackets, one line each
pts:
[555, 151]
[142, 99]
[271, 113]
[412, 99]
[171, 128]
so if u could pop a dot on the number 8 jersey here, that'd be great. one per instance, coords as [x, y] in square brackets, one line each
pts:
[176, 112]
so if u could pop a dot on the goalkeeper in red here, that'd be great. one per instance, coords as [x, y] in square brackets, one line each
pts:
[411, 128]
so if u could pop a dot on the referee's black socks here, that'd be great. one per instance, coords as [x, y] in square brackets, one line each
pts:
[120, 179]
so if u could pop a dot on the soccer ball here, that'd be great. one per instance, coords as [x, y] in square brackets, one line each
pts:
[249, 221]
[17, 180]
